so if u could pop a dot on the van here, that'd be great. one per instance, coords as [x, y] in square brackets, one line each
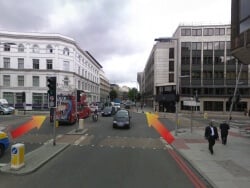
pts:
[5, 103]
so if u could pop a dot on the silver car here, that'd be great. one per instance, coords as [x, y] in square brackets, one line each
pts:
[5, 109]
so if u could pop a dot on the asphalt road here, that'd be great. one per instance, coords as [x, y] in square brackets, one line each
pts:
[104, 157]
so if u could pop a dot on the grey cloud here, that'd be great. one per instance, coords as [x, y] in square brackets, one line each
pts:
[100, 29]
[24, 16]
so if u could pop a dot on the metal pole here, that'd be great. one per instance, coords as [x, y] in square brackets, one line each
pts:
[233, 99]
[177, 90]
[54, 127]
[191, 124]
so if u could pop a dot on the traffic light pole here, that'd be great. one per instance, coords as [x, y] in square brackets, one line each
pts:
[233, 99]
[54, 127]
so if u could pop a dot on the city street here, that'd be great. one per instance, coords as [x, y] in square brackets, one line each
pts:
[104, 157]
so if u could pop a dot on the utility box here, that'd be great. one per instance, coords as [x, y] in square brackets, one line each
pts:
[17, 156]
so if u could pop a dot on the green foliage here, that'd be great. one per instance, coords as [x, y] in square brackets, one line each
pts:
[133, 94]
[113, 94]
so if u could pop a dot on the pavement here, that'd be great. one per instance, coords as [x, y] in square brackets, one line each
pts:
[38, 157]
[228, 167]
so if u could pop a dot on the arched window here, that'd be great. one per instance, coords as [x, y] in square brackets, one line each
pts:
[20, 48]
[36, 48]
[49, 49]
[65, 51]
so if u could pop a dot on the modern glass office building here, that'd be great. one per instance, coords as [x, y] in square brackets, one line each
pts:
[198, 60]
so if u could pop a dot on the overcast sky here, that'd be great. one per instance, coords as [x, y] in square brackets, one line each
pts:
[118, 33]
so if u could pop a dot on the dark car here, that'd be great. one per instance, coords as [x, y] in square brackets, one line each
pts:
[4, 142]
[122, 119]
[108, 111]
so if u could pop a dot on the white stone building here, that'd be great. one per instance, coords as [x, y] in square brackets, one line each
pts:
[27, 59]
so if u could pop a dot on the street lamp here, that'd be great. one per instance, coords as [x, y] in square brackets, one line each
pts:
[235, 90]
[177, 102]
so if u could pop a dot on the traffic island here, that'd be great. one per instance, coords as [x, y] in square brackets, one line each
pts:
[36, 158]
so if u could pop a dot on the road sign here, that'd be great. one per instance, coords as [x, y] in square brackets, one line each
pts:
[191, 103]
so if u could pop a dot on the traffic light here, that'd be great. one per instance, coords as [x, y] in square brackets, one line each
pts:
[52, 92]
[23, 97]
[78, 95]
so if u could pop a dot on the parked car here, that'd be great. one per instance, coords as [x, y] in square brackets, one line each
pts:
[4, 109]
[108, 111]
[4, 142]
[5, 103]
[122, 119]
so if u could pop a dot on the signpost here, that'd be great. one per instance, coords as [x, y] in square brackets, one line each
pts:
[191, 103]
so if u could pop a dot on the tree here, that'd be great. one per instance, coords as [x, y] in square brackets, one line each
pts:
[113, 94]
[132, 94]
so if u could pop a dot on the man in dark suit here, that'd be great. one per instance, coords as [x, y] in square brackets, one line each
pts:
[211, 134]
[224, 127]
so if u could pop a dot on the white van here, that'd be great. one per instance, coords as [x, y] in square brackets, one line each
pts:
[6, 104]
[3, 101]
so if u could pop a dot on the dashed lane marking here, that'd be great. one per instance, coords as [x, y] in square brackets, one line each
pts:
[78, 141]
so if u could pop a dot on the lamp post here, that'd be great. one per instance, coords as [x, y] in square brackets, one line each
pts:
[177, 102]
[235, 90]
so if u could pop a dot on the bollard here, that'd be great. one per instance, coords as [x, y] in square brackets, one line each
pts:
[17, 156]
[16, 112]
[57, 123]
[81, 124]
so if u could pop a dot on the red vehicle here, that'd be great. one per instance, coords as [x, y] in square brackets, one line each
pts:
[68, 113]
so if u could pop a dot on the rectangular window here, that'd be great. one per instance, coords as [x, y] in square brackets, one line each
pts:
[219, 31]
[171, 77]
[37, 99]
[207, 45]
[49, 64]
[6, 62]
[20, 63]
[6, 80]
[35, 81]
[196, 45]
[6, 47]
[35, 63]
[196, 32]
[208, 31]
[66, 65]
[79, 70]
[171, 53]
[20, 80]
[171, 66]
[185, 32]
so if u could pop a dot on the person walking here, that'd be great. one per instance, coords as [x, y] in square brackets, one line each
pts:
[224, 127]
[211, 134]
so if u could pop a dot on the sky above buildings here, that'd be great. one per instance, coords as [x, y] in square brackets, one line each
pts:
[118, 33]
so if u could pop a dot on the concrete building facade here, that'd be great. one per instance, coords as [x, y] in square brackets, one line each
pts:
[28, 59]
[104, 87]
[198, 60]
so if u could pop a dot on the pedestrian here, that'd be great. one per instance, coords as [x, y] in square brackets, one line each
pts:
[211, 134]
[224, 127]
